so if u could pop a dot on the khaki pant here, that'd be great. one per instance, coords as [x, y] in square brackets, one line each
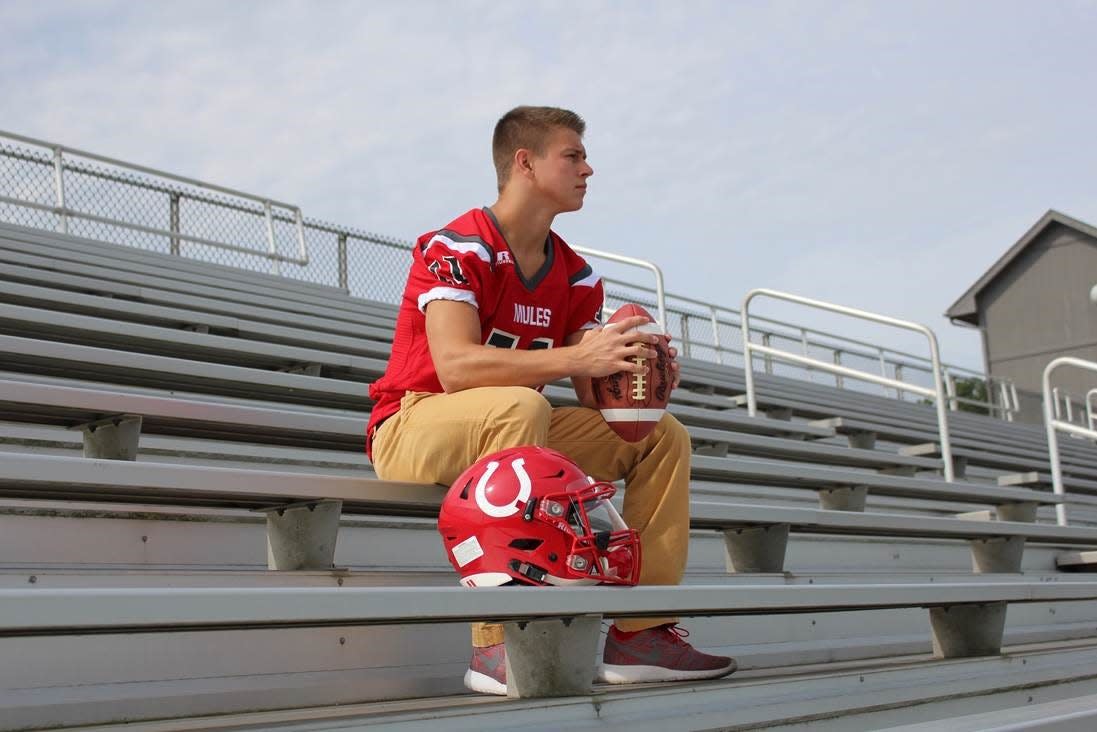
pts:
[434, 437]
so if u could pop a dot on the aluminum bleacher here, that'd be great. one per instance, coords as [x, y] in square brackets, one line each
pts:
[185, 509]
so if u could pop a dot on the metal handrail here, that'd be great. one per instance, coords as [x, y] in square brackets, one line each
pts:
[1053, 423]
[64, 213]
[937, 394]
[839, 345]
[660, 293]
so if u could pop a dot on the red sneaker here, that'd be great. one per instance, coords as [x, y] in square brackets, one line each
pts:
[487, 672]
[658, 654]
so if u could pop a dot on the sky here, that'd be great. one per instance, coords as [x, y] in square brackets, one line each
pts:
[881, 155]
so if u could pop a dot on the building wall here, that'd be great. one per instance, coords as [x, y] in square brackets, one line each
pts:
[1039, 309]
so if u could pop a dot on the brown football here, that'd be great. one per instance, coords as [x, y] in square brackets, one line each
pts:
[632, 404]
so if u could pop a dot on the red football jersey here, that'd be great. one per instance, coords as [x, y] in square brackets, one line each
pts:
[470, 261]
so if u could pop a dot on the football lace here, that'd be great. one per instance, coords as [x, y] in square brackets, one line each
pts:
[639, 387]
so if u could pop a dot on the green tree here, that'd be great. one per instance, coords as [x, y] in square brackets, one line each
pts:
[972, 388]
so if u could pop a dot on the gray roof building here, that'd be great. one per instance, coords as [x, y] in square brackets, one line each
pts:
[1033, 305]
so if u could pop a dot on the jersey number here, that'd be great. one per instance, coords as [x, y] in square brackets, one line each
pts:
[454, 275]
[502, 339]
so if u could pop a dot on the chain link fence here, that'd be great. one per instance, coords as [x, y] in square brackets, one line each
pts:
[71, 192]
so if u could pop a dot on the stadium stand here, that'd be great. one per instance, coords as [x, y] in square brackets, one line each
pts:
[192, 537]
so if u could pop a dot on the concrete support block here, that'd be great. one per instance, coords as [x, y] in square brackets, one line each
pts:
[986, 514]
[305, 369]
[961, 631]
[756, 548]
[845, 498]
[997, 554]
[303, 535]
[1023, 511]
[715, 449]
[113, 438]
[547, 658]
[862, 440]
[905, 470]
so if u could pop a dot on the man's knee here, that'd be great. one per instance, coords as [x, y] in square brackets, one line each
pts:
[674, 433]
[522, 404]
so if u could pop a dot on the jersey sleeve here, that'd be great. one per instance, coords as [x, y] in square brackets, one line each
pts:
[449, 266]
[585, 309]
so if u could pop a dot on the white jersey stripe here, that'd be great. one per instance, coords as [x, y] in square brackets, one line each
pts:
[590, 280]
[447, 293]
[632, 415]
[461, 246]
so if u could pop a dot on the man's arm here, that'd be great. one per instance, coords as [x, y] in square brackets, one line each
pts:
[462, 362]
[583, 390]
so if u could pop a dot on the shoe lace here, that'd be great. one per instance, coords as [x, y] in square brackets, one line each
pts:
[676, 633]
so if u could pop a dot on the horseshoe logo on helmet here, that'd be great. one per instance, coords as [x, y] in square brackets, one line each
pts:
[525, 487]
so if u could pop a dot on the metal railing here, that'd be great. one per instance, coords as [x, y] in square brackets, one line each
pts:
[1053, 424]
[689, 316]
[937, 393]
[660, 293]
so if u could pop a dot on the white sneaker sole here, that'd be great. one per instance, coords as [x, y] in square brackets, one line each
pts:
[484, 684]
[610, 673]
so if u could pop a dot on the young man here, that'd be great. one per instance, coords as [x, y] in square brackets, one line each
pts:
[497, 305]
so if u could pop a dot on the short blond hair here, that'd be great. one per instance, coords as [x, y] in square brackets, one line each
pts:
[529, 128]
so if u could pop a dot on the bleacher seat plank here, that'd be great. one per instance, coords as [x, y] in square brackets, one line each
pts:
[52, 241]
[813, 452]
[76, 611]
[76, 361]
[721, 515]
[762, 472]
[368, 340]
[347, 308]
[101, 332]
[77, 478]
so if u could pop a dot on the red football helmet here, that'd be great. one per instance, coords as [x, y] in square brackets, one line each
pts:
[532, 516]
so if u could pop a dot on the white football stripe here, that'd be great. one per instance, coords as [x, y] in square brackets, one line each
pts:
[447, 293]
[589, 281]
[461, 246]
[632, 415]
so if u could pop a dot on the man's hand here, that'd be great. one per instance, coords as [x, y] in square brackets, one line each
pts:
[605, 351]
[674, 367]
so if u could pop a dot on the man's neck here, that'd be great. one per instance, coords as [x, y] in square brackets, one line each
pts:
[525, 226]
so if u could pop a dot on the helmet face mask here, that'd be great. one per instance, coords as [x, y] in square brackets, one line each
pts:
[531, 516]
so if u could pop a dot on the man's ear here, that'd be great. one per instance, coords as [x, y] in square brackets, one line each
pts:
[523, 161]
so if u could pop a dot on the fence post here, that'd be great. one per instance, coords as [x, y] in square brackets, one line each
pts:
[343, 261]
[899, 377]
[683, 318]
[839, 382]
[767, 359]
[59, 188]
[950, 388]
[716, 335]
[884, 368]
[272, 248]
[174, 223]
